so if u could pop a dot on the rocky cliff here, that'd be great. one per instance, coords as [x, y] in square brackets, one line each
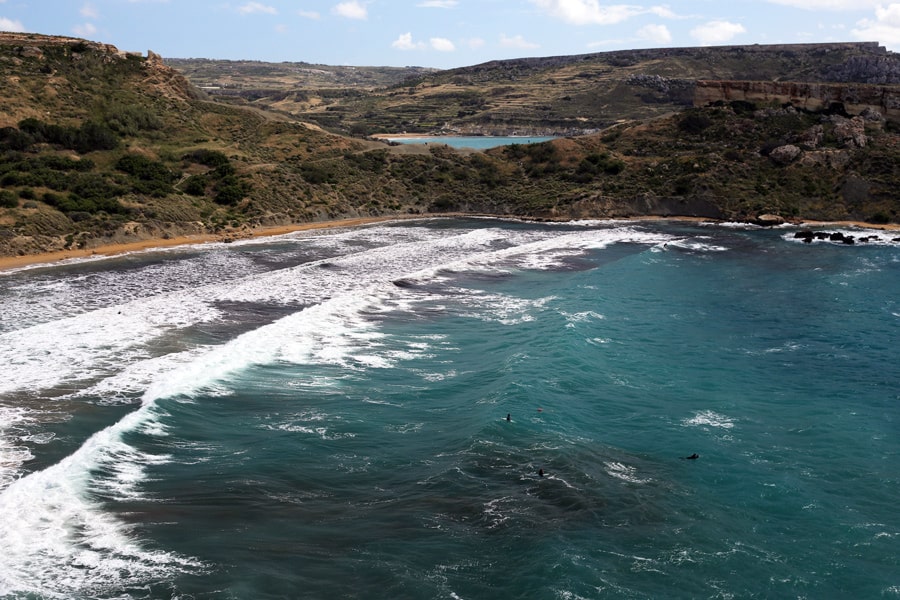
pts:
[854, 99]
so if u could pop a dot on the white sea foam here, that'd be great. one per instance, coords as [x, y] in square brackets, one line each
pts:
[58, 542]
[697, 244]
[708, 418]
[92, 345]
[581, 317]
[624, 472]
[13, 455]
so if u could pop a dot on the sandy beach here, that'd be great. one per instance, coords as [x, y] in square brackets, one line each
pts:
[14, 262]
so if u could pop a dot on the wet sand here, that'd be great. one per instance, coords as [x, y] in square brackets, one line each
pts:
[13, 262]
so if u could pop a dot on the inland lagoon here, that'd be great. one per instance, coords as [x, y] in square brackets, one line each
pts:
[474, 142]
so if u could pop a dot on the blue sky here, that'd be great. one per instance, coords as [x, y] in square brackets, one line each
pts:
[443, 33]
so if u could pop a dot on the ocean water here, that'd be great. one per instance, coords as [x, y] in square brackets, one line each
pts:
[324, 415]
[476, 141]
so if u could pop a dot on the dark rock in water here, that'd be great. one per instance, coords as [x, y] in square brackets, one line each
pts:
[837, 237]
[849, 240]
[896, 239]
[806, 235]
[822, 235]
[403, 283]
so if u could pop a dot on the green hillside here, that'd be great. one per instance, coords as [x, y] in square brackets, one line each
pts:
[100, 146]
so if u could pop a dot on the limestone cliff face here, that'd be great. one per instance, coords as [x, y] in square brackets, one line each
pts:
[30, 43]
[814, 97]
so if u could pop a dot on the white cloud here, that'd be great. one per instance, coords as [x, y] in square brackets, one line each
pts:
[588, 12]
[405, 42]
[517, 41]
[281, 28]
[309, 14]
[828, 4]
[885, 28]
[442, 44]
[716, 32]
[351, 10]
[256, 7]
[663, 11]
[86, 30]
[474, 43]
[10, 25]
[90, 11]
[657, 34]
[438, 4]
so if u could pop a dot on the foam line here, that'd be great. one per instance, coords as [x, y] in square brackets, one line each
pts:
[58, 542]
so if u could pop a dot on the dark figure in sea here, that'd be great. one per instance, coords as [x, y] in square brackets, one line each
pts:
[693, 456]
[507, 417]
[540, 472]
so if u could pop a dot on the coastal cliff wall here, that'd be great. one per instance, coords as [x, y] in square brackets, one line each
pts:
[813, 97]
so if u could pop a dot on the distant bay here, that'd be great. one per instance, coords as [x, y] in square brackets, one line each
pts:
[479, 142]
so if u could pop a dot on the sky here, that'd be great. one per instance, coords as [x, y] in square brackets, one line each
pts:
[443, 33]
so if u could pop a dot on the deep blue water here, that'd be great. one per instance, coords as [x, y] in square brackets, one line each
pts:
[476, 141]
[323, 415]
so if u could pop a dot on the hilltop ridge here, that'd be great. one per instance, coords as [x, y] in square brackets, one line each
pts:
[557, 95]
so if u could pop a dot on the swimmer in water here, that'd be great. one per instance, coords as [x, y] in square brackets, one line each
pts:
[507, 417]
[540, 472]
[693, 456]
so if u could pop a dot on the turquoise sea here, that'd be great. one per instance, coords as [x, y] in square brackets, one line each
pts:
[475, 141]
[324, 415]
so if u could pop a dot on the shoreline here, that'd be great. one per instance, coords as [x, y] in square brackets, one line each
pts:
[48, 258]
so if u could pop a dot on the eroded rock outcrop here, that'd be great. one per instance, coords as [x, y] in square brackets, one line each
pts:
[785, 155]
[853, 99]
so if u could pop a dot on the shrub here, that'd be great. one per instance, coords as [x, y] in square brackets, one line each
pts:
[131, 120]
[195, 185]
[231, 190]
[93, 136]
[51, 198]
[13, 139]
[373, 161]
[316, 174]
[224, 170]
[8, 199]
[694, 123]
[149, 176]
[209, 158]
[95, 187]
